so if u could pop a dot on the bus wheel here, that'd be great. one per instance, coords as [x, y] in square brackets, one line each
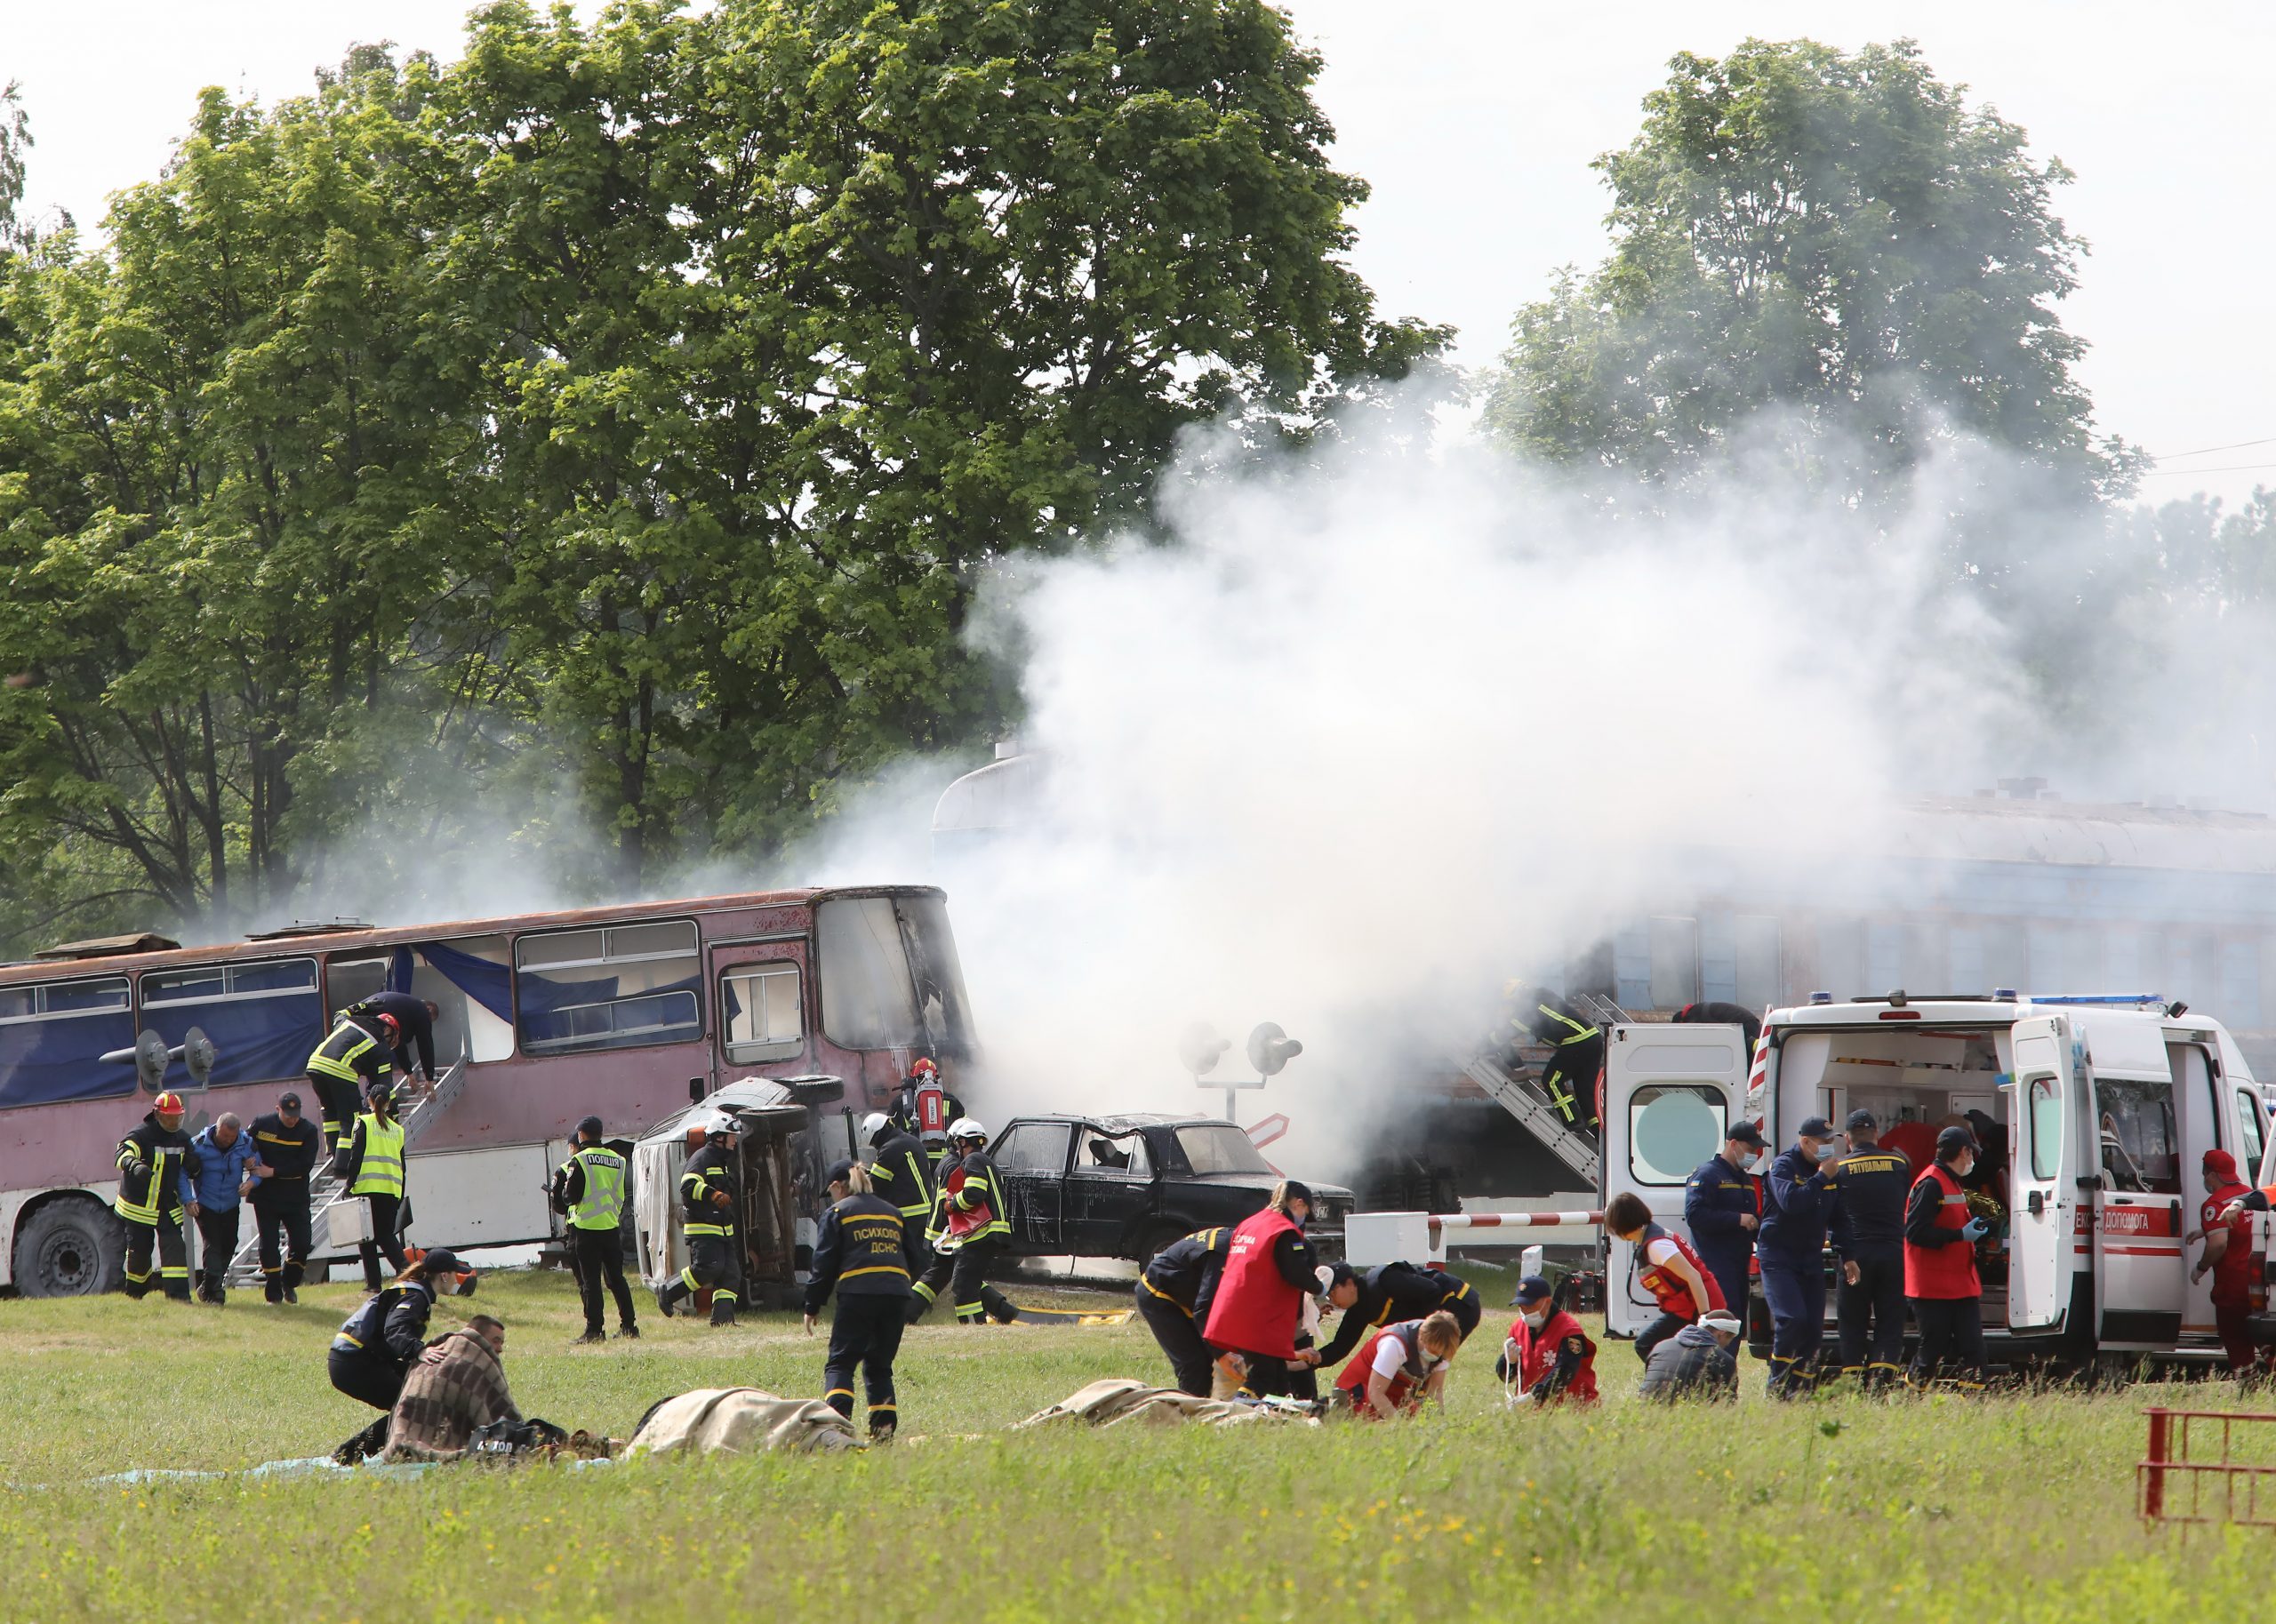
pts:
[70, 1248]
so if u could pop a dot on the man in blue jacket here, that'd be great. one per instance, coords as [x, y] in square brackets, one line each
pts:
[1718, 1210]
[1790, 1247]
[225, 1175]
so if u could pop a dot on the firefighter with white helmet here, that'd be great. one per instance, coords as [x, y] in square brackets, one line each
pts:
[711, 1195]
[969, 1224]
[900, 1172]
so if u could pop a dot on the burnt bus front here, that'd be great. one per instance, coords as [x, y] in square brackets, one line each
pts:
[892, 992]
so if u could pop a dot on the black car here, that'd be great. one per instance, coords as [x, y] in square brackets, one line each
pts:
[1126, 1187]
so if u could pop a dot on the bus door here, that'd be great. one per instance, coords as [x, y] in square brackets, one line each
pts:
[2141, 1281]
[2198, 1097]
[2043, 1207]
[761, 992]
[1669, 1092]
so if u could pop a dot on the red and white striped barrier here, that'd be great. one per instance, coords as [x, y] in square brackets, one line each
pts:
[1513, 1220]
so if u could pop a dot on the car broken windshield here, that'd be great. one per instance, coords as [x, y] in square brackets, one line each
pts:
[1221, 1148]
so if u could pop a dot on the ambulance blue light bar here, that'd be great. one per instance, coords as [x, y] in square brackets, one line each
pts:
[2117, 1000]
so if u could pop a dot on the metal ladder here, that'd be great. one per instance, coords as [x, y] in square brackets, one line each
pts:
[327, 1189]
[1524, 1100]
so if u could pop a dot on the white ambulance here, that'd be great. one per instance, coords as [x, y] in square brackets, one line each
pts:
[2101, 1109]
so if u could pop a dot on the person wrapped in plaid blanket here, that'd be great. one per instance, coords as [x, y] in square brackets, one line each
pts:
[456, 1387]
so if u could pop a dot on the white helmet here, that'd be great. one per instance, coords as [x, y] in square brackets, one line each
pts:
[967, 1127]
[873, 1124]
[720, 1122]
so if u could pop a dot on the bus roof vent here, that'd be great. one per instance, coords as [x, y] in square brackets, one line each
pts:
[306, 927]
[110, 946]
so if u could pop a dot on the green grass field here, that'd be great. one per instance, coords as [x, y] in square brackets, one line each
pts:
[2012, 1507]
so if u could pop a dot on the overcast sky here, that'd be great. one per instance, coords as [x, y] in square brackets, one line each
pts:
[1475, 121]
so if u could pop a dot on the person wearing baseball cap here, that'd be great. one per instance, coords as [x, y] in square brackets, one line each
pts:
[1547, 1356]
[1865, 1220]
[1790, 1248]
[373, 1351]
[285, 1146]
[589, 1190]
[1721, 1208]
[1941, 1284]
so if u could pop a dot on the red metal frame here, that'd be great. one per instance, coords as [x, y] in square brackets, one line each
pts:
[2171, 1469]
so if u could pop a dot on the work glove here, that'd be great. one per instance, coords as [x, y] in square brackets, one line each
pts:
[1975, 1229]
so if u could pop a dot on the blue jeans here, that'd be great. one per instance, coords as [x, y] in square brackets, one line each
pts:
[1796, 1294]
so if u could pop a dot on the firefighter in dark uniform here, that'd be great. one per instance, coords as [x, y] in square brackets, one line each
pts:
[1720, 1210]
[357, 1056]
[373, 1352]
[967, 1230]
[1568, 1077]
[286, 1145]
[155, 1161]
[709, 1197]
[1865, 1222]
[903, 1174]
[1391, 1294]
[925, 1109]
[414, 1027]
[589, 1190]
[864, 1251]
[1173, 1295]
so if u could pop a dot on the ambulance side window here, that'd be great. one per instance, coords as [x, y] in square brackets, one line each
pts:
[1672, 1127]
[2046, 1128]
[2139, 1141]
[2252, 1119]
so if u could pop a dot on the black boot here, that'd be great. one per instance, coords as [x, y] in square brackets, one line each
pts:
[629, 1329]
[670, 1295]
[723, 1310]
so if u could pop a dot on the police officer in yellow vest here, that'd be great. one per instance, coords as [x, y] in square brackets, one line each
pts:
[357, 1056]
[709, 1197]
[375, 1171]
[589, 1190]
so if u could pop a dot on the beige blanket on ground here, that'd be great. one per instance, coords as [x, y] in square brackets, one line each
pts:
[740, 1420]
[1115, 1399]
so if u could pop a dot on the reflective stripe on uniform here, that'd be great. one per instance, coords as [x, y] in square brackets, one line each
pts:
[602, 1206]
[875, 1269]
[381, 1172]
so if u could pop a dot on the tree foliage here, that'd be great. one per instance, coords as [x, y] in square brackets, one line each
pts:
[1829, 258]
[612, 427]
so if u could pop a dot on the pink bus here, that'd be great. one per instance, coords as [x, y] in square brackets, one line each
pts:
[620, 1012]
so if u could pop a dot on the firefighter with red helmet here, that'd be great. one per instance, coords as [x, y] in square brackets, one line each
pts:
[969, 1224]
[925, 1108]
[156, 1165]
[357, 1056]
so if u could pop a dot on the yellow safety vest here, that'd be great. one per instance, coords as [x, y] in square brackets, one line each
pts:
[602, 1206]
[381, 1172]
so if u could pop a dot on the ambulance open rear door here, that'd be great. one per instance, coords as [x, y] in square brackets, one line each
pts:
[2042, 1209]
[1670, 1091]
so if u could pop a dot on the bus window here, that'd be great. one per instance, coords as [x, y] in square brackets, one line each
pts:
[53, 1036]
[2139, 1141]
[264, 1016]
[890, 978]
[759, 1011]
[617, 987]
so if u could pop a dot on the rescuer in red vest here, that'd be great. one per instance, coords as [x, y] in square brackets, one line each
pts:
[1664, 1265]
[1270, 1269]
[1400, 1366]
[2226, 1229]
[1940, 1278]
[1548, 1357]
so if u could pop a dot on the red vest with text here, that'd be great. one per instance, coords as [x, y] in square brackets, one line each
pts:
[1255, 1311]
[2232, 1275]
[1666, 1286]
[1415, 1367]
[1946, 1272]
[1537, 1355]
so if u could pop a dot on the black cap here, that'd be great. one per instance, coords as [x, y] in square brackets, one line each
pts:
[1533, 1288]
[1745, 1132]
[443, 1261]
[841, 1171]
[1955, 1139]
[1298, 1190]
[1339, 1274]
[288, 1103]
[1815, 1127]
[590, 1128]
[1861, 1121]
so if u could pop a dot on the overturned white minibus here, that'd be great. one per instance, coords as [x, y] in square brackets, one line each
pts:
[2096, 1114]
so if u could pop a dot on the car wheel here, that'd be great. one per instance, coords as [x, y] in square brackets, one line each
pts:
[70, 1247]
[1151, 1239]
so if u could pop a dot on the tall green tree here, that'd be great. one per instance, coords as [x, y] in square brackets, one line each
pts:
[1832, 259]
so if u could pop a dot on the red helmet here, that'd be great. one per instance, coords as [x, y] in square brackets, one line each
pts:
[924, 1068]
[391, 1028]
[168, 1104]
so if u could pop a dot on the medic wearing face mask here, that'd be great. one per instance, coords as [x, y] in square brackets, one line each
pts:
[1720, 1210]
[1790, 1247]
[1549, 1358]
